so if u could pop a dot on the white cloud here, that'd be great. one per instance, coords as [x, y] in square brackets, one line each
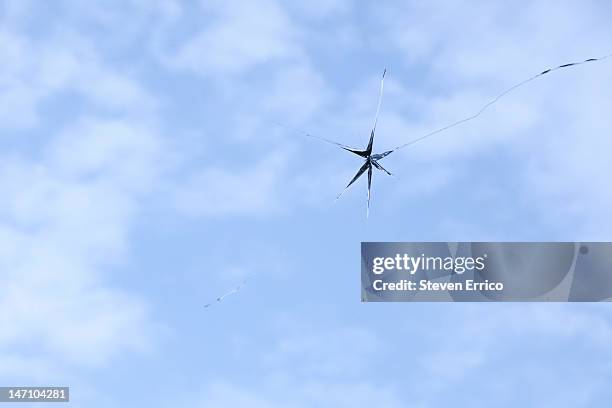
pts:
[71, 188]
[65, 219]
[41, 70]
[238, 37]
[126, 152]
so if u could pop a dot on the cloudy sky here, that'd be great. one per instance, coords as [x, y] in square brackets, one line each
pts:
[143, 173]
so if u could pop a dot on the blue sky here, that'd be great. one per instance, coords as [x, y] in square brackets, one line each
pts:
[142, 175]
